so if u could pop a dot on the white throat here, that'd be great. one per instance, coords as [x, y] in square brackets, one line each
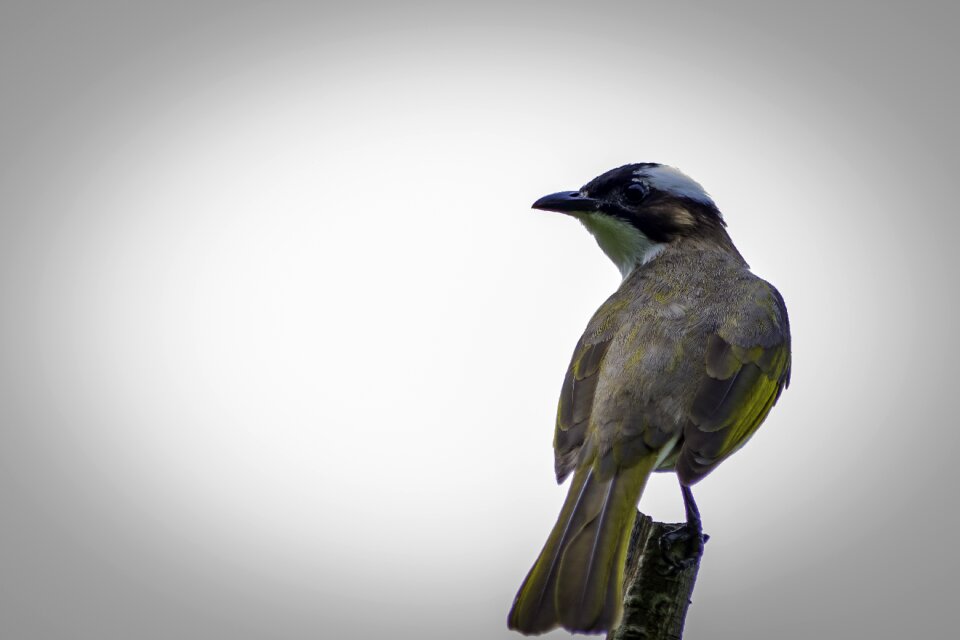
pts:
[623, 243]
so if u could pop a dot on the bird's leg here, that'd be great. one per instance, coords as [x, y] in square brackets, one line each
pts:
[693, 513]
[682, 546]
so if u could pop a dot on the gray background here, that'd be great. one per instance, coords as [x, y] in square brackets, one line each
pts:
[280, 339]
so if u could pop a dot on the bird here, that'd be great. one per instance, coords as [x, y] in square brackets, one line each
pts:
[675, 372]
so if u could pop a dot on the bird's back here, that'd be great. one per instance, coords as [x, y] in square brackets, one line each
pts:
[656, 330]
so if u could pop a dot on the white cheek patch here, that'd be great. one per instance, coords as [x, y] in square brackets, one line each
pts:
[673, 181]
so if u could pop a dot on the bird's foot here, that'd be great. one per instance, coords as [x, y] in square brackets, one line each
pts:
[681, 547]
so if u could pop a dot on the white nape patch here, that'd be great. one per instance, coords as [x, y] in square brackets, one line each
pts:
[674, 181]
[623, 243]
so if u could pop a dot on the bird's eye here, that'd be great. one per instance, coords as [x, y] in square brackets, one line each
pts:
[635, 193]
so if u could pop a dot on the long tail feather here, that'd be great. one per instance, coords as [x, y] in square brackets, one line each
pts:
[577, 581]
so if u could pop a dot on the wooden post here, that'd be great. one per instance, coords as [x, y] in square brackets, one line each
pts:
[658, 581]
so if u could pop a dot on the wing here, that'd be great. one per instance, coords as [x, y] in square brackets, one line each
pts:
[747, 366]
[580, 383]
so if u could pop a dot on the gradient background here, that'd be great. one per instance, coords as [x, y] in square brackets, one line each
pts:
[281, 340]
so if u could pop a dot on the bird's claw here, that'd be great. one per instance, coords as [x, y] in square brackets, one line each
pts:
[681, 547]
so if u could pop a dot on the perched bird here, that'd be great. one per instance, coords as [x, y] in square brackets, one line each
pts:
[675, 372]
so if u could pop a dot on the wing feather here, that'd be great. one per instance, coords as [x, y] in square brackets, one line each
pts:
[576, 404]
[746, 367]
[580, 384]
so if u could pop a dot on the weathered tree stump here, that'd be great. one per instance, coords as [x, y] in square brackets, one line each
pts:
[662, 564]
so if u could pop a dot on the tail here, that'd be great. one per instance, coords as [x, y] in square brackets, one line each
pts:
[577, 582]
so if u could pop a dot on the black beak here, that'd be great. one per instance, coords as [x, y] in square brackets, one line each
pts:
[567, 202]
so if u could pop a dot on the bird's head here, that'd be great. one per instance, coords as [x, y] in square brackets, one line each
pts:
[637, 210]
